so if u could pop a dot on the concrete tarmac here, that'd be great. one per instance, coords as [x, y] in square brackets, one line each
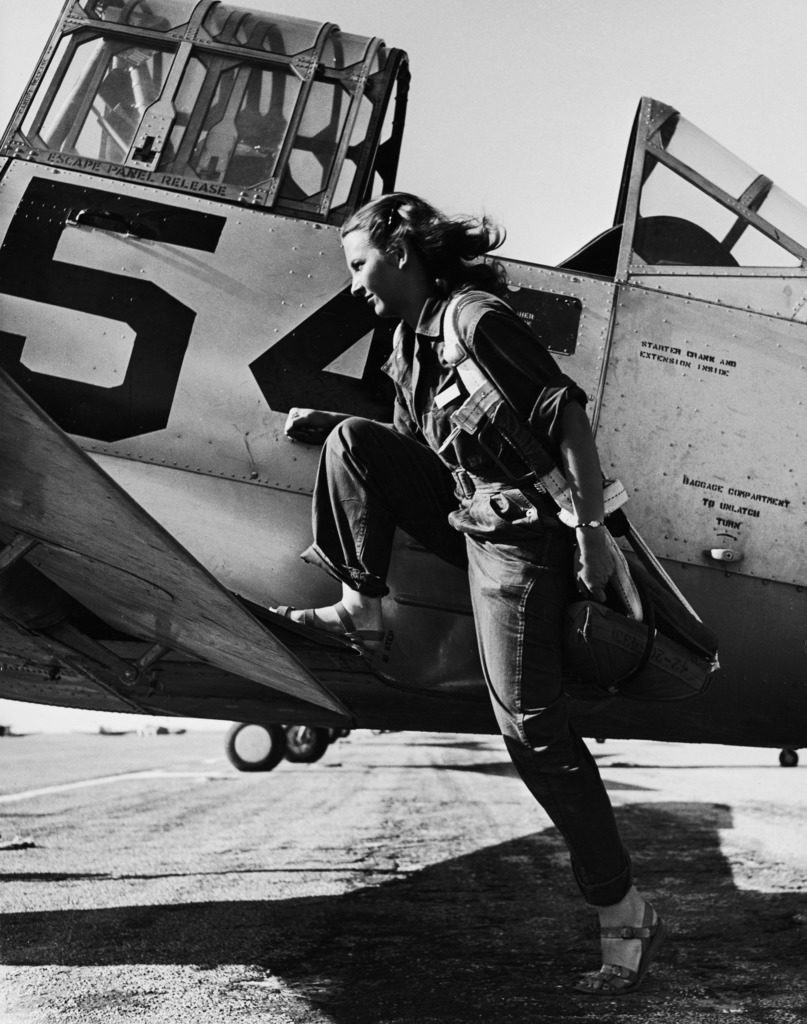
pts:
[405, 878]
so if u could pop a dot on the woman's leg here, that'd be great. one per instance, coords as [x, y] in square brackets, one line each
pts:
[519, 595]
[372, 480]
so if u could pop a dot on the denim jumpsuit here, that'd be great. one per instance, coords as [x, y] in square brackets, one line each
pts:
[462, 504]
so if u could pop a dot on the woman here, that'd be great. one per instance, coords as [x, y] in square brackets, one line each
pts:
[443, 487]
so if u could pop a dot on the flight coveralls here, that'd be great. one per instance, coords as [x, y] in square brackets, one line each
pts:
[454, 494]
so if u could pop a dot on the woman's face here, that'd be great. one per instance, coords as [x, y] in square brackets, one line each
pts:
[375, 276]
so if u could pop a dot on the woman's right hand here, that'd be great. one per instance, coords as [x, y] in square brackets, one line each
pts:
[311, 426]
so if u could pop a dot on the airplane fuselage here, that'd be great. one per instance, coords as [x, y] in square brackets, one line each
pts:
[166, 317]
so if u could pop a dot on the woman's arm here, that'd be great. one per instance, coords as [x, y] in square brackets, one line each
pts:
[582, 466]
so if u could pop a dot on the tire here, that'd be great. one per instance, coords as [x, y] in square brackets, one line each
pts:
[255, 748]
[306, 743]
[788, 758]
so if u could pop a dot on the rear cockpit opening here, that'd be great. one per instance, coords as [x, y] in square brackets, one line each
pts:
[686, 202]
[693, 203]
[201, 97]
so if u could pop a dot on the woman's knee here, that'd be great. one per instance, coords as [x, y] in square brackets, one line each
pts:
[540, 737]
[559, 756]
[353, 434]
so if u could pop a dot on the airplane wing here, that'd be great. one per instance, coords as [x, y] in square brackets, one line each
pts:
[85, 533]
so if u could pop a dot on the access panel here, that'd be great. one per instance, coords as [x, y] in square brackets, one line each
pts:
[703, 418]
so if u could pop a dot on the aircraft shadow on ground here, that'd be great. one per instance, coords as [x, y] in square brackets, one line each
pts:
[501, 930]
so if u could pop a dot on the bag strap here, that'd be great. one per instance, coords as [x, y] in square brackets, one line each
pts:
[649, 621]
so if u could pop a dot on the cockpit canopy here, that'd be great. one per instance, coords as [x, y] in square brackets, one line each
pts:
[216, 100]
[685, 201]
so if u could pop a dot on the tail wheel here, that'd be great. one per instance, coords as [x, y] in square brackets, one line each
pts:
[788, 758]
[255, 748]
[306, 743]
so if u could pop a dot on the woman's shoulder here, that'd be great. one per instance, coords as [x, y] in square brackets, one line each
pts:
[466, 306]
[468, 295]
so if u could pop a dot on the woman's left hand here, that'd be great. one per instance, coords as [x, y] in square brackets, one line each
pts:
[311, 426]
[595, 561]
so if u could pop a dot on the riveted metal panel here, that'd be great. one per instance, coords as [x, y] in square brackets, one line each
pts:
[704, 418]
[582, 358]
[779, 293]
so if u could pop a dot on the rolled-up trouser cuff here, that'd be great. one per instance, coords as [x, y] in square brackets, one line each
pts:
[362, 582]
[605, 894]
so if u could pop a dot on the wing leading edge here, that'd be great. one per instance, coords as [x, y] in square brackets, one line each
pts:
[86, 534]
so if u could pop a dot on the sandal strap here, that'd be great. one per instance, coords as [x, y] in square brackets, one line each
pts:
[608, 980]
[308, 618]
[352, 632]
[616, 971]
[344, 617]
[627, 932]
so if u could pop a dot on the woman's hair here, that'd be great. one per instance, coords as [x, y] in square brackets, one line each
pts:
[450, 247]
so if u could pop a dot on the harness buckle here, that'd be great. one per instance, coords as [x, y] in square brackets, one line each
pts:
[465, 486]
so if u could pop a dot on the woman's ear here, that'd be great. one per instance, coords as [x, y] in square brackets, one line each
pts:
[396, 253]
[403, 252]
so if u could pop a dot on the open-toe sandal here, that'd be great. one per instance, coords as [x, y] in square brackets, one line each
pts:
[615, 980]
[367, 638]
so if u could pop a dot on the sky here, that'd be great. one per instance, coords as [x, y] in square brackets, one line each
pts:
[522, 109]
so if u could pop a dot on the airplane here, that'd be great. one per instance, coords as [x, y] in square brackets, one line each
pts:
[171, 190]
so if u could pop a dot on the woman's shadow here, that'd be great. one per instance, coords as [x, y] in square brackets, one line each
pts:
[500, 931]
